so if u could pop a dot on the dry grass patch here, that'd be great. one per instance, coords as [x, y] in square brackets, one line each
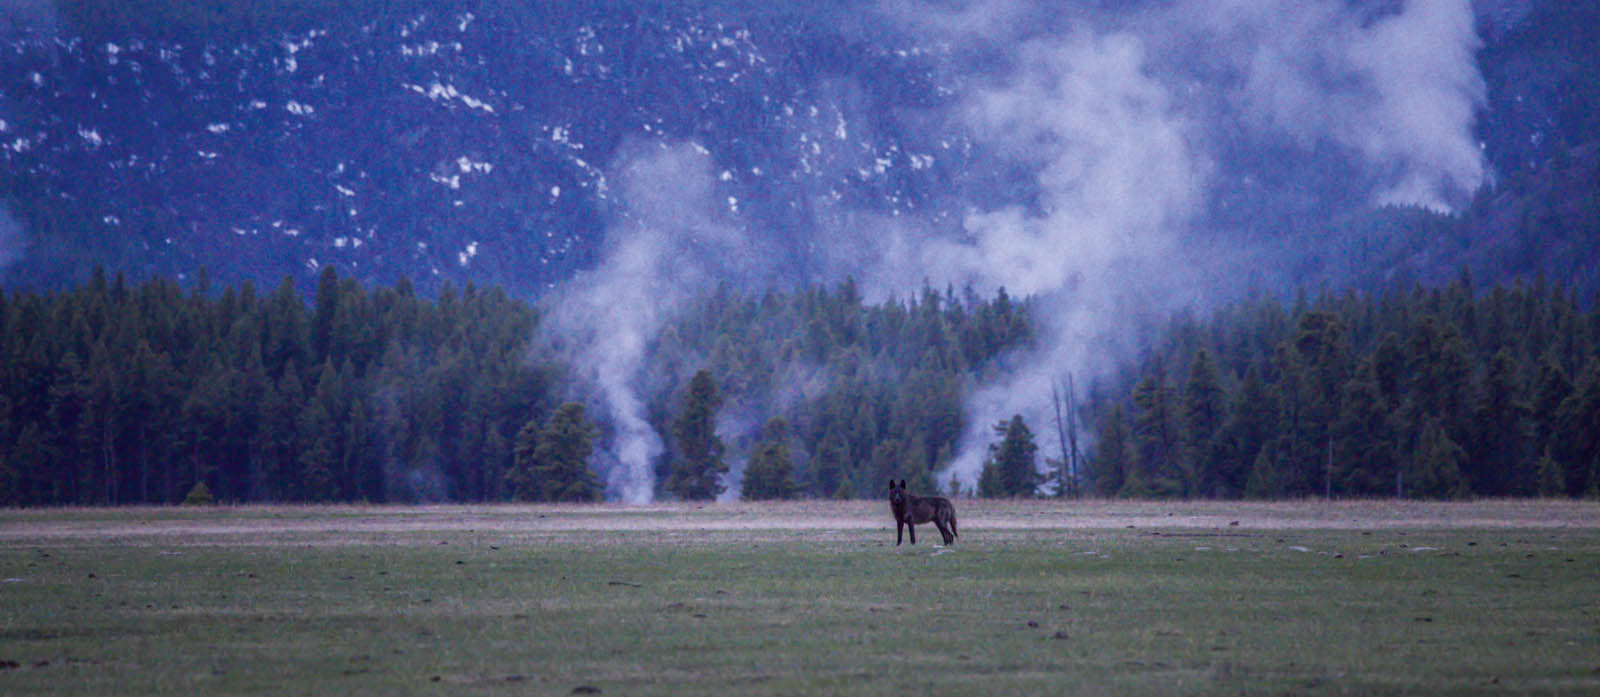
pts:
[354, 524]
[1097, 597]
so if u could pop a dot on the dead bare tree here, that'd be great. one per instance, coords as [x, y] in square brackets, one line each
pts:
[1067, 433]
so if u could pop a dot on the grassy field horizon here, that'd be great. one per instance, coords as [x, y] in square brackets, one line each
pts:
[1052, 597]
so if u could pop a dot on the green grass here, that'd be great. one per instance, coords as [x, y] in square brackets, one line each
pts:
[496, 600]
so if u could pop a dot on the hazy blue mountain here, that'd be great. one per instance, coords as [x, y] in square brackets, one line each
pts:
[462, 143]
[471, 141]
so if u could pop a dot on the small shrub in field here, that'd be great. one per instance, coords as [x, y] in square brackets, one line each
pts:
[200, 495]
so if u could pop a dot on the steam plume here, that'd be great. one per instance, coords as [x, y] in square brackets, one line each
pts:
[1400, 90]
[1122, 170]
[669, 241]
[1117, 115]
[1117, 179]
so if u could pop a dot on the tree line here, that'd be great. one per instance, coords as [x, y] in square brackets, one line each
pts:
[119, 393]
[1425, 393]
[123, 393]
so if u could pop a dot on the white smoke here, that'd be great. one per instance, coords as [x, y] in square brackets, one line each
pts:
[668, 243]
[1428, 92]
[1122, 169]
[1399, 90]
[1118, 179]
[1117, 116]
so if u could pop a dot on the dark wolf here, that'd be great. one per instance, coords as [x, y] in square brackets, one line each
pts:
[910, 511]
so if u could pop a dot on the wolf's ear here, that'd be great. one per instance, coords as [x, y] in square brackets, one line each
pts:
[902, 484]
[891, 484]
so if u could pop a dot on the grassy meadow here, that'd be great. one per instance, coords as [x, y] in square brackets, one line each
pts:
[1036, 598]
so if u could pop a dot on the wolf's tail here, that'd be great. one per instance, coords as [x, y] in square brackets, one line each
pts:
[953, 532]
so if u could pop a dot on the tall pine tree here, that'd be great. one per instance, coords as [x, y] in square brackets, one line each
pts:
[1112, 460]
[1204, 408]
[770, 472]
[560, 462]
[1012, 468]
[698, 468]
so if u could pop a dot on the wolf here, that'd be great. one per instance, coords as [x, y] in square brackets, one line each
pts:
[910, 511]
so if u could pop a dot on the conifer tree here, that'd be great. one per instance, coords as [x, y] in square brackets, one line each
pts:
[199, 495]
[830, 469]
[66, 426]
[519, 479]
[1577, 431]
[770, 472]
[322, 315]
[1364, 447]
[279, 410]
[1389, 368]
[1012, 468]
[11, 493]
[1499, 432]
[317, 435]
[154, 390]
[316, 451]
[1155, 433]
[1266, 474]
[990, 485]
[698, 468]
[887, 460]
[1551, 480]
[845, 491]
[1204, 408]
[1112, 459]
[1437, 469]
[559, 465]
[919, 479]
[1250, 426]
[1436, 362]
[1551, 387]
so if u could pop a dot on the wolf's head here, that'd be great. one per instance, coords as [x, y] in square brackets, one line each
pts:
[897, 493]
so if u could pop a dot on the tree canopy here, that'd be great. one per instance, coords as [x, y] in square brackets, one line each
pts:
[1426, 393]
[1012, 468]
[697, 464]
[118, 393]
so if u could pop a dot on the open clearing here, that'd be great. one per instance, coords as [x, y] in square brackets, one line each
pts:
[1100, 597]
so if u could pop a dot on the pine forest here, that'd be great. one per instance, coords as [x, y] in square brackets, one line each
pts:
[119, 393]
